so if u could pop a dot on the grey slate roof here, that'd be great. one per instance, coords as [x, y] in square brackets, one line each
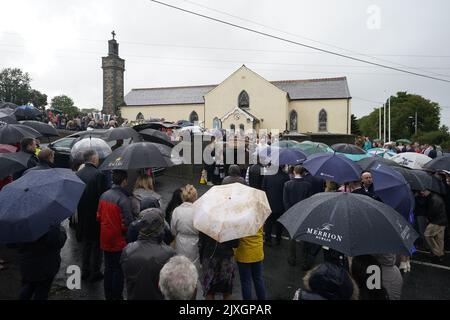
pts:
[330, 88]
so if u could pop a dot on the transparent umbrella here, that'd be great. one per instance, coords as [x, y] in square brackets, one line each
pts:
[96, 144]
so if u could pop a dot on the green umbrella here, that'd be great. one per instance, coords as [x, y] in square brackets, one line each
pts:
[289, 144]
[310, 147]
[404, 141]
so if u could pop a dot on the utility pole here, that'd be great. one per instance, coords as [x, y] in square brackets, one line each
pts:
[379, 124]
[415, 123]
[389, 125]
[384, 123]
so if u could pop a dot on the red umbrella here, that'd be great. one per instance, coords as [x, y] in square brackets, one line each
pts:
[7, 148]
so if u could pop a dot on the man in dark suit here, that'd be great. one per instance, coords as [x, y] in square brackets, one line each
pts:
[273, 185]
[294, 191]
[367, 188]
[89, 227]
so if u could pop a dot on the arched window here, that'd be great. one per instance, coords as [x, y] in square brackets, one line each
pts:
[193, 117]
[140, 116]
[243, 100]
[241, 128]
[232, 127]
[323, 119]
[293, 121]
[217, 123]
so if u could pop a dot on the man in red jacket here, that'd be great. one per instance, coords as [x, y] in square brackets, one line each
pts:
[114, 215]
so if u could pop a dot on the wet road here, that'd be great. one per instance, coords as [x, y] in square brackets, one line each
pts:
[425, 281]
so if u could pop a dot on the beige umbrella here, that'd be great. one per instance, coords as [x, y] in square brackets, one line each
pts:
[231, 211]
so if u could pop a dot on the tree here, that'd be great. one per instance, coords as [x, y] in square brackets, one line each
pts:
[15, 86]
[403, 109]
[38, 99]
[65, 104]
[355, 127]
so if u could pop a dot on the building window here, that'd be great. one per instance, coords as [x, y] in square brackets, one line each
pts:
[293, 121]
[140, 116]
[217, 124]
[241, 128]
[232, 127]
[193, 117]
[243, 100]
[323, 119]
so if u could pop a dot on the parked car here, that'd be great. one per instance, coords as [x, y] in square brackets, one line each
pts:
[63, 147]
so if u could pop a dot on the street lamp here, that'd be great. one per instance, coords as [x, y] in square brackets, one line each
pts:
[414, 120]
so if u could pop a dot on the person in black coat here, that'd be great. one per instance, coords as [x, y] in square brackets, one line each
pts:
[39, 263]
[255, 178]
[88, 227]
[318, 185]
[367, 188]
[46, 160]
[294, 191]
[273, 186]
[28, 146]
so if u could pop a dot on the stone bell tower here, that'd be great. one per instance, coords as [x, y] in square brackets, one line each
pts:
[113, 68]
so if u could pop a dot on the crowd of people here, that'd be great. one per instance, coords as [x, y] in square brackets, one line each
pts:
[157, 253]
[80, 123]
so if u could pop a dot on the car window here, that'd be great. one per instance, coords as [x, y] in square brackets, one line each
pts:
[64, 143]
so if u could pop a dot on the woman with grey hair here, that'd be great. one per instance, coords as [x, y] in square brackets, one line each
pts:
[178, 279]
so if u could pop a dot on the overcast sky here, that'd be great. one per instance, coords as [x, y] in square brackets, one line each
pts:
[60, 44]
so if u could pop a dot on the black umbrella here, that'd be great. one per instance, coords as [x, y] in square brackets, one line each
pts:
[138, 155]
[44, 129]
[347, 148]
[430, 182]
[416, 183]
[13, 162]
[352, 224]
[7, 118]
[156, 136]
[439, 163]
[368, 163]
[14, 133]
[9, 105]
[27, 112]
[121, 133]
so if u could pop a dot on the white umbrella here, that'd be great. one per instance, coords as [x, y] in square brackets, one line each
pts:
[411, 160]
[231, 211]
[97, 144]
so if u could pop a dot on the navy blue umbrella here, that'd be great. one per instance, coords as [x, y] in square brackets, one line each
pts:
[291, 157]
[35, 202]
[334, 167]
[393, 189]
[27, 112]
[350, 223]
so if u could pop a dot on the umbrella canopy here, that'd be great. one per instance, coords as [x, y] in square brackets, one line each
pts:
[14, 133]
[352, 224]
[138, 155]
[7, 111]
[156, 136]
[334, 167]
[9, 105]
[429, 182]
[88, 143]
[44, 129]
[404, 141]
[121, 133]
[27, 112]
[439, 163]
[415, 182]
[347, 148]
[38, 200]
[355, 157]
[393, 189]
[411, 160]
[286, 144]
[370, 162]
[7, 148]
[13, 162]
[6, 118]
[224, 212]
[379, 152]
[310, 147]
[290, 157]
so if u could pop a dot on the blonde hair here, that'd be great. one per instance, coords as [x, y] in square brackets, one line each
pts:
[188, 193]
[331, 186]
[144, 182]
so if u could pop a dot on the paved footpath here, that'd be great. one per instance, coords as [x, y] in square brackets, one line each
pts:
[426, 280]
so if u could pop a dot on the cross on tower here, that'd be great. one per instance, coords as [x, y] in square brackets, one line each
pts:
[113, 34]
